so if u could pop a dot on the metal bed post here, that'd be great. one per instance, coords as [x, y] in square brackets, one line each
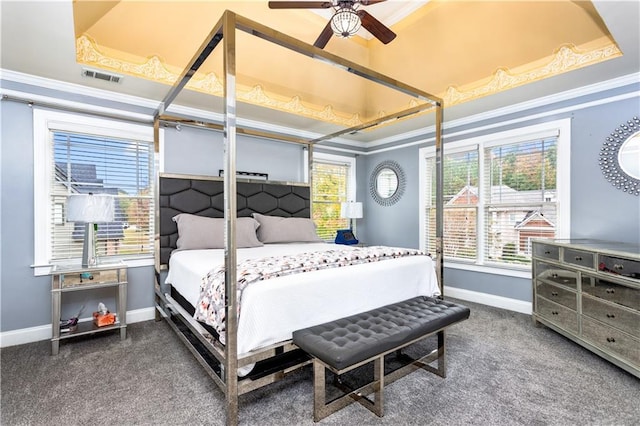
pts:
[230, 214]
[156, 214]
[310, 177]
[439, 199]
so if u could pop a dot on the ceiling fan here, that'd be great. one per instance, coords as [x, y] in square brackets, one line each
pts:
[346, 20]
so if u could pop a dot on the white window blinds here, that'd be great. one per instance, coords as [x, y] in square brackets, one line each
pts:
[460, 209]
[330, 188]
[122, 168]
[519, 198]
[501, 190]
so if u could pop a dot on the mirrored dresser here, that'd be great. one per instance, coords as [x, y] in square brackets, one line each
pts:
[589, 291]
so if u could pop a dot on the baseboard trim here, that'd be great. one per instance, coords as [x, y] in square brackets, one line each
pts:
[43, 332]
[489, 300]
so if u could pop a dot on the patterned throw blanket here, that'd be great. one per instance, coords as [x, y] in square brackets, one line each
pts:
[211, 303]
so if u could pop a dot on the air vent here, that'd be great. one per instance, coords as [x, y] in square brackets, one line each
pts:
[113, 78]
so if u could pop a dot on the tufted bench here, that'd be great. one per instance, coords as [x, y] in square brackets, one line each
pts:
[345, 344]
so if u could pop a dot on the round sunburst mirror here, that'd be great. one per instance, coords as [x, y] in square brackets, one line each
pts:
[620, 157]
[387, 183]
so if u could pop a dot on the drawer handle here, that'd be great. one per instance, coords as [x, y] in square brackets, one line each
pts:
[618, 266]
[554, 293]
[611, 316]
[554, 312]
[610, 291]
[578, 258]
[547, 252]
[554, 275]
[611, 340]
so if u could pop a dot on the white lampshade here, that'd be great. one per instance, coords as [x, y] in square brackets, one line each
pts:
[351, 210]
[90, 208]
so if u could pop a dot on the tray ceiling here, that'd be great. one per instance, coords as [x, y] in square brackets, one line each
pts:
[477, 55]
[459, 51]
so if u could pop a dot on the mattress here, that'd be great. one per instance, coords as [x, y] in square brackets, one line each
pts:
[274, 309]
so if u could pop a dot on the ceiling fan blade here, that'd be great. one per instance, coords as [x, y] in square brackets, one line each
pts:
[299, 4]
[324, 36]
[370, 2]
[375, 27]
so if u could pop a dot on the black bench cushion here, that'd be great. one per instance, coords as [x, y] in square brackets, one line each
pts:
[347, 341]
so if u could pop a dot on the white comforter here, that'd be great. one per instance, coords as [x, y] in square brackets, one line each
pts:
[271, 311]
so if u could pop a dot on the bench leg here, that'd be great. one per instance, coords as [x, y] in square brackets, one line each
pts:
[320, 407]
[378, 377]
[442, 359]
[319, 392]
[438, 354]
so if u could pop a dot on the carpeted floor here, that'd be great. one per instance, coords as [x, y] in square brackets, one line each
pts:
[501, 371]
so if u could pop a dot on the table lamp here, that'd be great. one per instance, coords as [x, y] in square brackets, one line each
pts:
[350, 210]
[90, 209]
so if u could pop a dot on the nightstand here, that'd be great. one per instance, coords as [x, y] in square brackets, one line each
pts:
[67, 278]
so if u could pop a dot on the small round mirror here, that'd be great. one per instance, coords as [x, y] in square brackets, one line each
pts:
[629, 156]
[387, 183]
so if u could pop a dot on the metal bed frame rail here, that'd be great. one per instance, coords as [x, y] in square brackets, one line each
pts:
[224, 31]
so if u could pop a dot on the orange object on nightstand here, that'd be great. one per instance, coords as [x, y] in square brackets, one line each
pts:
[104, 319]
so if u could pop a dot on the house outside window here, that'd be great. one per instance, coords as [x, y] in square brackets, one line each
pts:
[76, 154]
[500, 191]
[333, 183]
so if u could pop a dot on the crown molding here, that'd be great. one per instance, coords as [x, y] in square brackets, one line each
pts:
[495, 125]
[253, 124]
[79, 107]
[511, 109]
[420, 133]
[77, 89]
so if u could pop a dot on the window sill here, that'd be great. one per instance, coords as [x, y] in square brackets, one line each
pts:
[485, 269]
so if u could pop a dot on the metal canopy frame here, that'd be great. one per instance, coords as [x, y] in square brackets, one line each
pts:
[224, 31]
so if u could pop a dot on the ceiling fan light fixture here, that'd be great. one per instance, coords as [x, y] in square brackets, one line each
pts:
[345, 22]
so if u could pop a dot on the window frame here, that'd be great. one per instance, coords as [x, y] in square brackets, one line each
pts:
[46, 120]
[560, 127]
[336, 159]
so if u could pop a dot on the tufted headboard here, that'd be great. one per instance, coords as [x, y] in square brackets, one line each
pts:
[205, 197]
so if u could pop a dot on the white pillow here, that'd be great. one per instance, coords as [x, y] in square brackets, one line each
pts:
[276, 229]
[201, 232]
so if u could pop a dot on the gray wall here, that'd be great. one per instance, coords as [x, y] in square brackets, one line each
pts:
[598, 210]
[199, 151]
[24, 298]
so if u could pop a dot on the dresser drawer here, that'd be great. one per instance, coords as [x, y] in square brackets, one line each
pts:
[629, 268]
[555, 275]
[612, 292]
[561, 316]
[579, 258]
[557, 294]
[613, 315]
[546, 251]
[611, 340]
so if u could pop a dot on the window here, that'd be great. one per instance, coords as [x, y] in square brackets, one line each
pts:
[500, 191]
[460, 192]
[80, 155]
[333, 183]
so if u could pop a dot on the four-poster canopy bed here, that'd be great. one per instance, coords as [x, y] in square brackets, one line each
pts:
[234, 201]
